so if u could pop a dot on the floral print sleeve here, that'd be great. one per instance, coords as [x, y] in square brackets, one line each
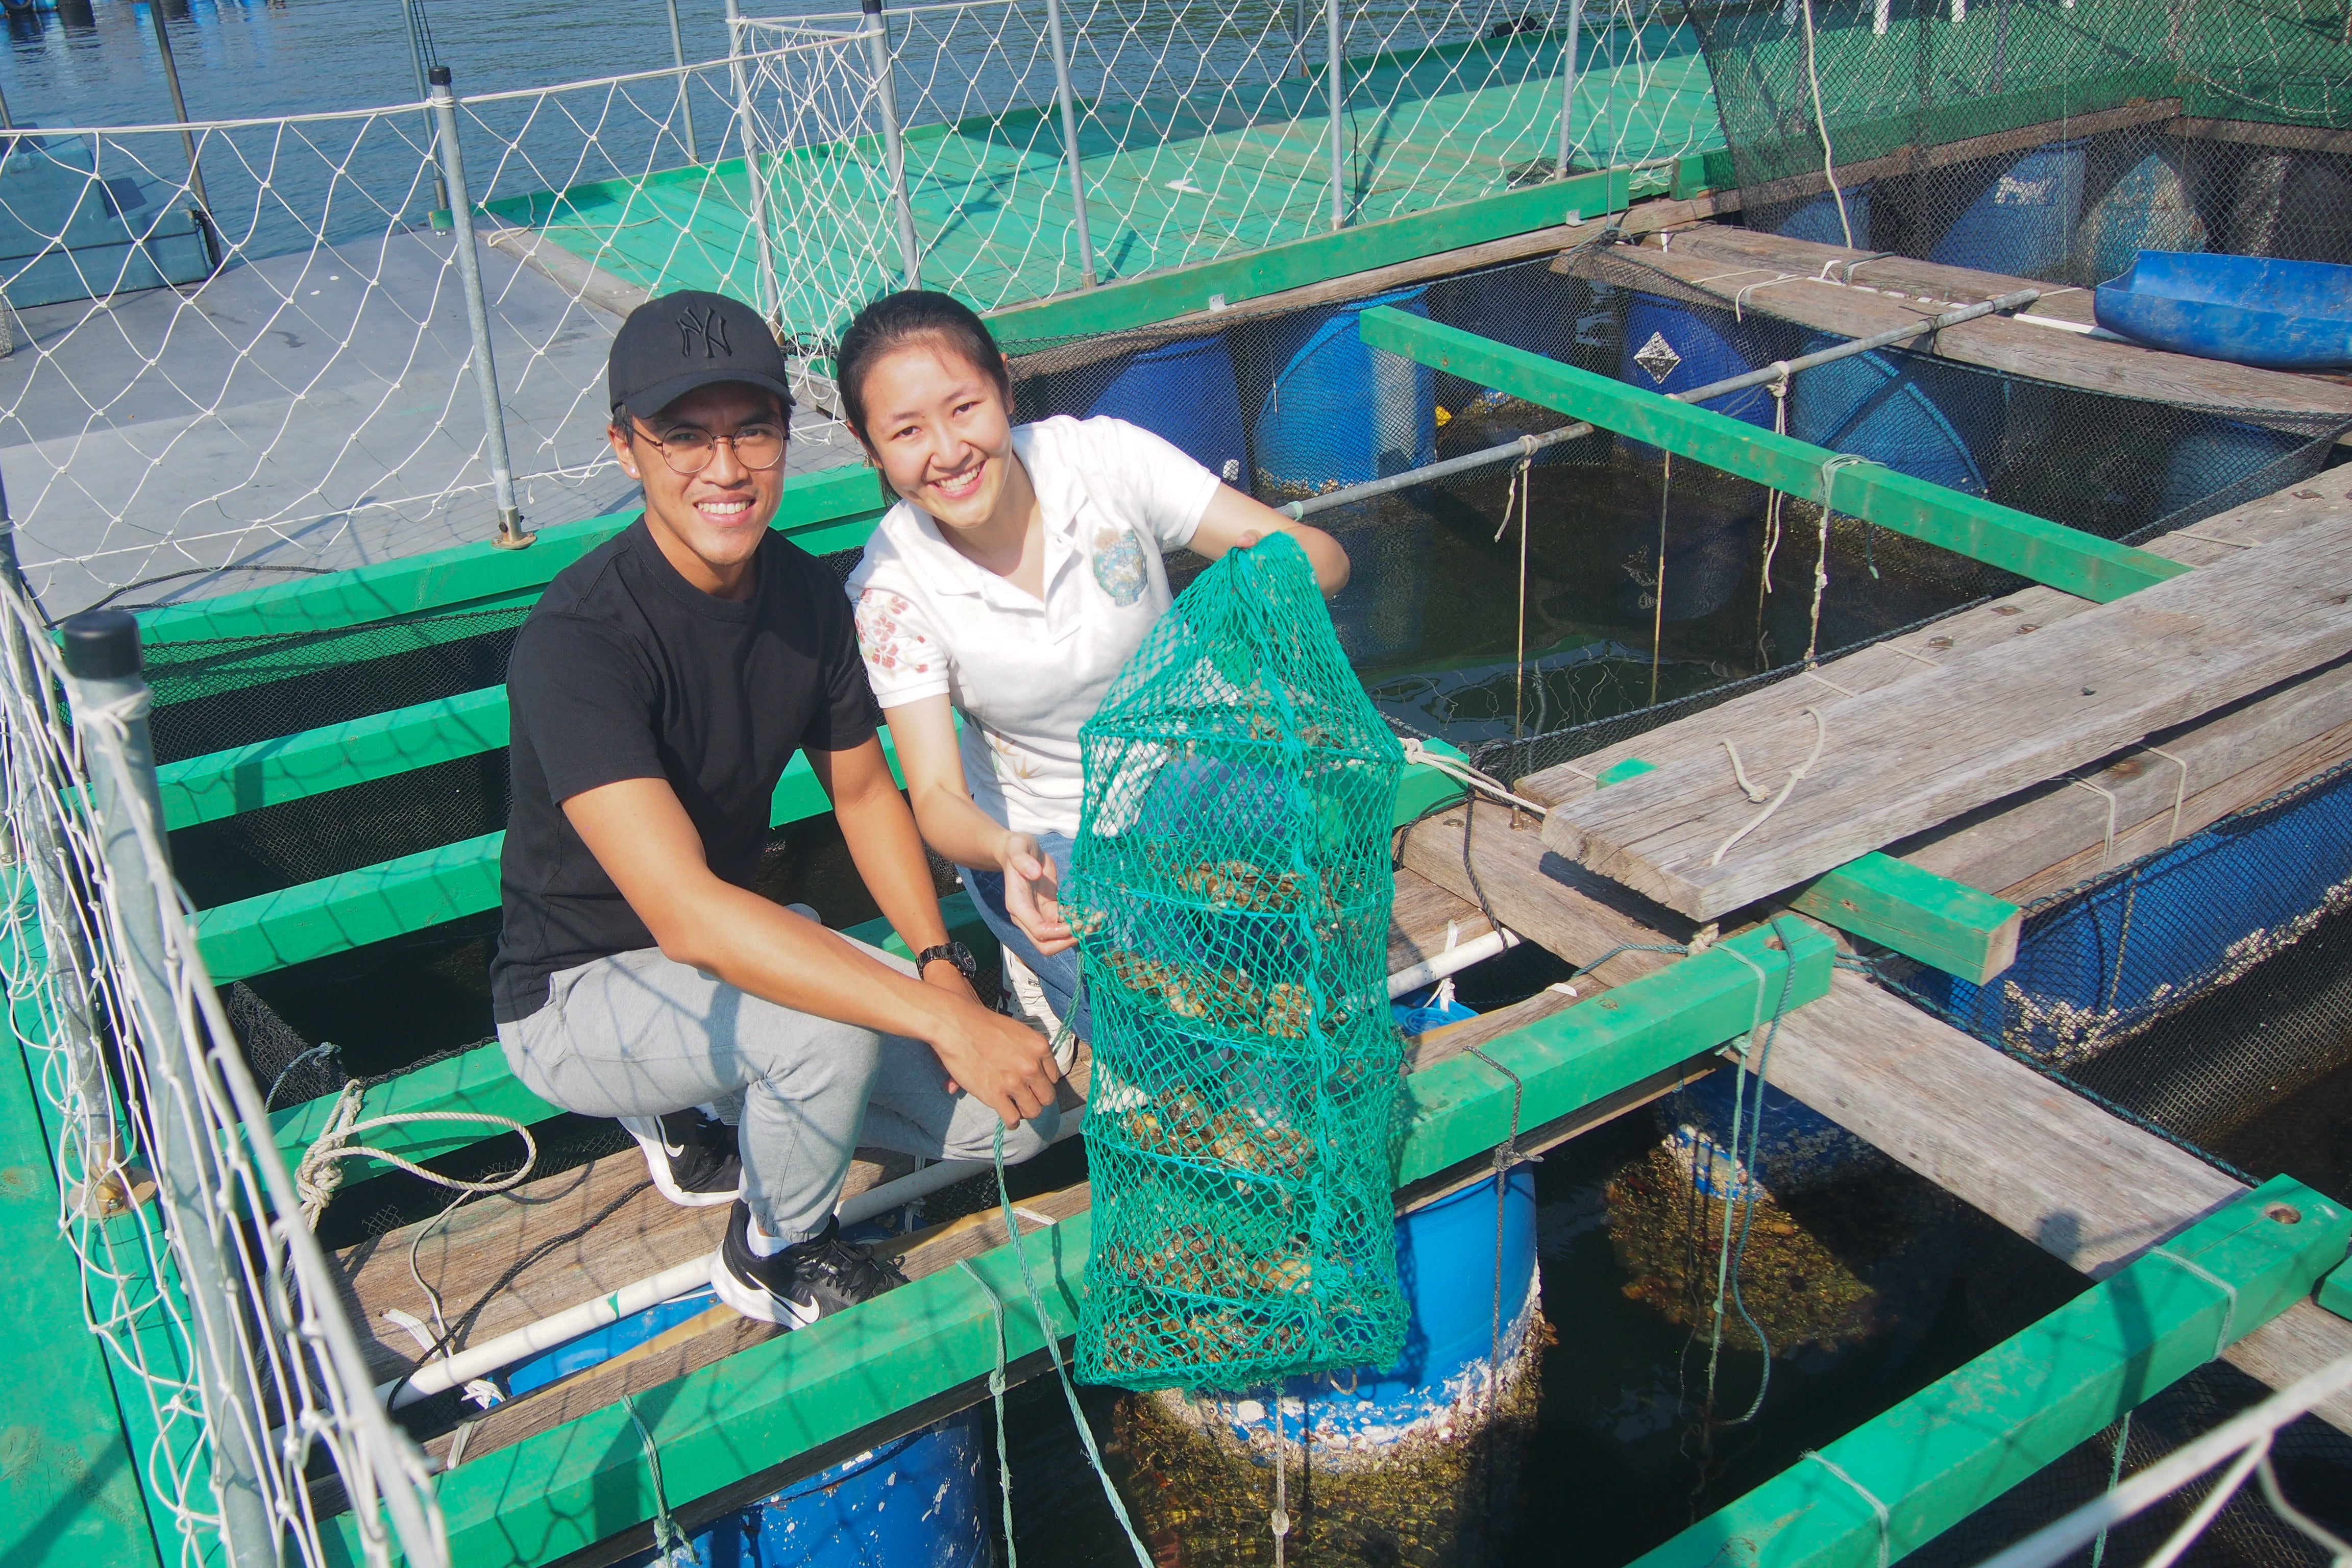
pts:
[901, 658]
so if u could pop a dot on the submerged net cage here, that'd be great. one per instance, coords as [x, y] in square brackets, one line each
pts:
[1233, 882]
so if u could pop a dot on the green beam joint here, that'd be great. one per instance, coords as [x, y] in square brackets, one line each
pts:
[2068, 559]
[1968, 1437]
[1945, 924]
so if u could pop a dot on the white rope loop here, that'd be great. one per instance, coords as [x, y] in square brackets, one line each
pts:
[1796, 774]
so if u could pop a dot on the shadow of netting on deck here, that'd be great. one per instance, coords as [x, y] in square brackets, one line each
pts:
[2197, 987]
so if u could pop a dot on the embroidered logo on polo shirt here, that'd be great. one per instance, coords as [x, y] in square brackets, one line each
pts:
[1118, 565]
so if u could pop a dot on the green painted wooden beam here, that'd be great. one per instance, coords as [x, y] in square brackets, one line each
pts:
[1968, 1437]
[1919, 914]
[267, 773]
[1156, 297]
[583, 1481]
[2080, 564]
[479, 1082]
[1461, 1107]
[2335, 1291]
[814, 510]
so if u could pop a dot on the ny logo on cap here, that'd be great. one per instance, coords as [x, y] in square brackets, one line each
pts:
[707, 325]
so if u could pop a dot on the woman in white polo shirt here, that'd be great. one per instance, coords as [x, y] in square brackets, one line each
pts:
[1014, 576]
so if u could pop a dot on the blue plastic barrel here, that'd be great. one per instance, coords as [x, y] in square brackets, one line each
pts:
[1671, 348]
[1338, 413]
[1446, 1260]
[1184, 392]
[1817, 220]
[2212, 460]
[2147, 208]
[1905, 411]
[2022, 224]
[2181, 918]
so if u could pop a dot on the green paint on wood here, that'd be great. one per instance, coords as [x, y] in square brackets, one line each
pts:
[1423, 788]
[2335, 1291]
[2080, 564]
[1968, 1437]
[1918, 914]
[566, 1488]
[1618, 772]
[246, 778]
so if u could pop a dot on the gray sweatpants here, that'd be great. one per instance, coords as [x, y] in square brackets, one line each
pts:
[637, 1035]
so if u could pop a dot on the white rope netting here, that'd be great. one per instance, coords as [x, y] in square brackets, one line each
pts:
[247, 1403]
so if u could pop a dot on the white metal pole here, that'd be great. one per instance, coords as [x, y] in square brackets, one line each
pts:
[894, 153]
[417, 63]
[1070, 141]
[1568, 82]
[685, 84]
[478, 309]
[111, 694]
[1333, 61]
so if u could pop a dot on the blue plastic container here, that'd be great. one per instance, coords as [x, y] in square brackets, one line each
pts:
[1817, 220]
[1446, 1259]
[1184, 392]
[1902, 410]
[600, 1345]
[1338, 413]
[2282, 315]
[2147, 208]
[2212, 460]
[2170, 923]
[1670, 349]
[2023, 223]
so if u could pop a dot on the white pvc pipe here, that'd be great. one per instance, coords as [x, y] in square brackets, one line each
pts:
[453, 1371]
[1452, 961]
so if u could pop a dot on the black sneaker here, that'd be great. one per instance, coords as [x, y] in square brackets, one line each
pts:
[692, 1156]
[805, 1281]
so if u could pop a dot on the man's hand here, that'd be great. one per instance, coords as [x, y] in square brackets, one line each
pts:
[1030, 894]
[1006, 1064]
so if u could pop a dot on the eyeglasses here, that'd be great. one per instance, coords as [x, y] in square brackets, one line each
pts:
[758, 447]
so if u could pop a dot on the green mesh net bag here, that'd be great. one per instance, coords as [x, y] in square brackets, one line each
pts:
[1232, 884]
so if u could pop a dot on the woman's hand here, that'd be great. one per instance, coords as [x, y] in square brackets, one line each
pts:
[1031, 890]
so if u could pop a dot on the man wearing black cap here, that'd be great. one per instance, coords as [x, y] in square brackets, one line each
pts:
[658, 691]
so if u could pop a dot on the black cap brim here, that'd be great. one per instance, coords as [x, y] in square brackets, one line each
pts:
[652, 400]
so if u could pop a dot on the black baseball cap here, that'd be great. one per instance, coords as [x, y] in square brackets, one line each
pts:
[680, 341]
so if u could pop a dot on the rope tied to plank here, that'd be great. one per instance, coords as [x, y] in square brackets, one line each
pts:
[1822, 560]
[320, 1173]
[1755, 794]
[669, 1539]
[1507, 1157]
[1471, 778]
[2229, 1292]
[1886, 1519]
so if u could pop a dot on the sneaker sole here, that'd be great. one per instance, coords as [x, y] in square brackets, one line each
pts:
[656, 1154]
[756, 1300]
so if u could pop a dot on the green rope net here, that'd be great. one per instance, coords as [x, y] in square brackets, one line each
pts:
[1231, 885]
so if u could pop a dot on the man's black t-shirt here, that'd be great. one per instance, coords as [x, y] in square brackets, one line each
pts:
[626, 670]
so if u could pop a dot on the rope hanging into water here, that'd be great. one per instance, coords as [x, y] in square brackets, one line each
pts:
[1522, 486]
[1658, 593]
[1053, 1353]
[996, 1393]
[2114, 1478]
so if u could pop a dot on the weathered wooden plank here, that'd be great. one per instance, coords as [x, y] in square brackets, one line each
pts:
[1908, 756]
[1984, 530]
[1425, 919]
[1918, 913]
[2088, 1188]
[1784, 278]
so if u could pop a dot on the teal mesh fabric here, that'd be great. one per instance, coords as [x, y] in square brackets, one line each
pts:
[1232, 884]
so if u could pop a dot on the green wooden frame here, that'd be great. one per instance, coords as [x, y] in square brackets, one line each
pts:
[1918, 913]
[1967, 1439]
[2080, 564]
[589, 1478]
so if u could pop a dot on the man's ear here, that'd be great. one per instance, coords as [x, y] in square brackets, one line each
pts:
[622, 449]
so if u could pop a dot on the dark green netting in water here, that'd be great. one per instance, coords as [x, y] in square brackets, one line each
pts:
[1233, 884]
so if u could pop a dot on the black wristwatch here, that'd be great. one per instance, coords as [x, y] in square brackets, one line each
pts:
[955, 953]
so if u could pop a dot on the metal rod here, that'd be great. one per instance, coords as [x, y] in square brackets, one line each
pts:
[1529, 445]
[408, 13]
[886, 99]
[511, 535]
[1333, 61]
[684, 83]
[1567, 74]
[1070, 141]
[770, 300]
[204, 208]
[111, 695]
